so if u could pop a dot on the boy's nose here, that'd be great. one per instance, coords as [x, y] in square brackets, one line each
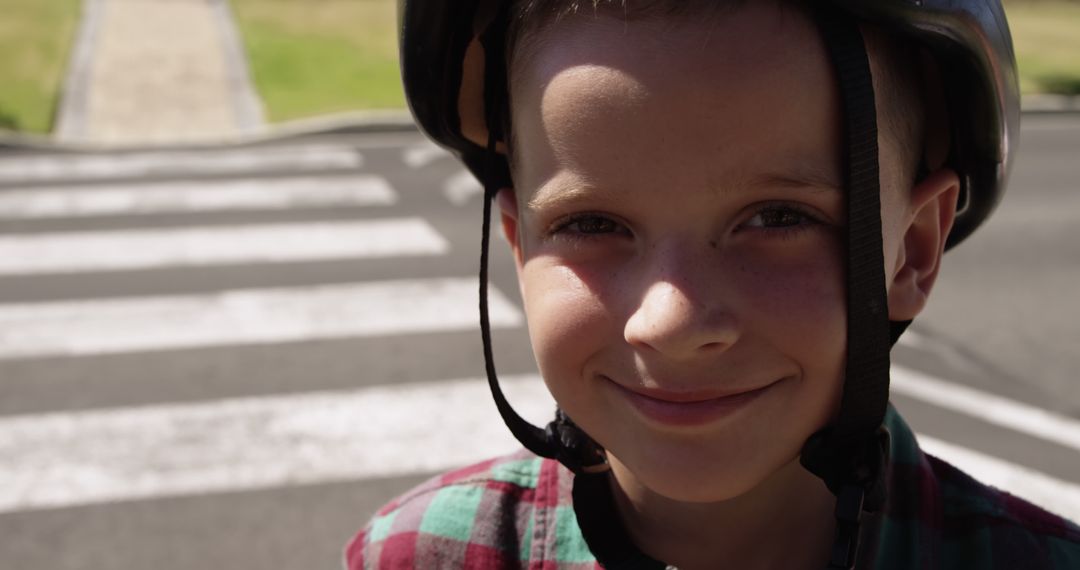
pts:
[673, 323]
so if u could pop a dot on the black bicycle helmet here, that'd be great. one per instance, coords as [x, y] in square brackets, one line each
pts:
[969, 40]
[457, 96]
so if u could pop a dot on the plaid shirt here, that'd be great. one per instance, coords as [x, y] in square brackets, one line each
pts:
[517, 512]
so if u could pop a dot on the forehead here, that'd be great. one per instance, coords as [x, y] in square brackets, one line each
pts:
[691, 99]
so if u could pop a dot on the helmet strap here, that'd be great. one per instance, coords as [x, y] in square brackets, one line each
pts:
[562, 440]
[851, 454]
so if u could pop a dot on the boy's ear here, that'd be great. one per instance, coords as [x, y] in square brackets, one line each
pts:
[506, 199]
[926, 225]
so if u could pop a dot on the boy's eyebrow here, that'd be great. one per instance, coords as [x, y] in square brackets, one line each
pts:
[807, 176]
[559, 192]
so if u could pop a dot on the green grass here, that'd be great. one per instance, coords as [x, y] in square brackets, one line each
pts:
[35, 39]
[311, 57]
[1046, 36]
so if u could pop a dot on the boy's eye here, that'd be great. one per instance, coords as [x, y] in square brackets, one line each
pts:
[589, 225]
[779, 217]
[593, 225]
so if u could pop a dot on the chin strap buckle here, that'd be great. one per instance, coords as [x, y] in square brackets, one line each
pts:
[573, 448]
[863, 465]
[857, 476]
[849, 507]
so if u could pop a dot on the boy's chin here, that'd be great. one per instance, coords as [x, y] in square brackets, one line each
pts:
[695, 481]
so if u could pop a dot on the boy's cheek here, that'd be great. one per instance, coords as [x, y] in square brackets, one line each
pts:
[804, 295]
[571, 322]
[552, 282]
[562, 304]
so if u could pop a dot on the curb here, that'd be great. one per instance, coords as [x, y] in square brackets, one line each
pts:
[355, 122]
[74, 93]
[246, 103]
[359, 123]
[352, 123]
[1050, 104]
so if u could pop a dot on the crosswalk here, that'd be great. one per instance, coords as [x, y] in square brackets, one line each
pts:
[350, 253]
[101, 216]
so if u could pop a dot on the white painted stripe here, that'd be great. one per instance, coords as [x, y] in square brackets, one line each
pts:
[1057, 496]
[461, 187]
[180, 197]
[987, 407]
[99, 456]
[420, 155]
[246, 317]
[203, 246]
[18, 169]
[71, 459]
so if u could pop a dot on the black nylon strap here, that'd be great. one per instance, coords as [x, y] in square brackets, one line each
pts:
[866, 386]
[562, 440]
[866, 375]
[851, 454]
[533, 438]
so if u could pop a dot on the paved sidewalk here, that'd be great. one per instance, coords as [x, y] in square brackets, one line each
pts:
[157, 72]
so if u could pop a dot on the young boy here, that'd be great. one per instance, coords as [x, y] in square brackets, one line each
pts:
[686, 183]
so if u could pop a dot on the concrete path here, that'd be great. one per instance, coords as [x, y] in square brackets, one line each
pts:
[157, 72]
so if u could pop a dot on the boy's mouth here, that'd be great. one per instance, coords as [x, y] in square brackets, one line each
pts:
[690, 408]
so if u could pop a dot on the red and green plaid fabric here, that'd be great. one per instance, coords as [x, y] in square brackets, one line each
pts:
[509, 512]
[517, 512]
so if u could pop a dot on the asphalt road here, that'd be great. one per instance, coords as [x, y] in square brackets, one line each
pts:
[164, 402]
[1007, 299]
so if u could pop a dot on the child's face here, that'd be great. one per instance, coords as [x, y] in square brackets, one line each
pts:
[679, 228]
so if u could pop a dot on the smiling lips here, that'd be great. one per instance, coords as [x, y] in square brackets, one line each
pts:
[687, 408]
